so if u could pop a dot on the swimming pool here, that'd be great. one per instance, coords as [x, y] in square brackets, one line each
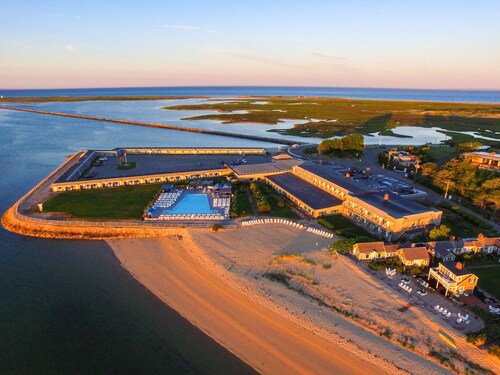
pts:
[192, 204]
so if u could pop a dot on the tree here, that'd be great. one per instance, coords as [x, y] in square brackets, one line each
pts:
[468, 146]
[428, 168]
[440, 233]
[351, 142]
[344, 246]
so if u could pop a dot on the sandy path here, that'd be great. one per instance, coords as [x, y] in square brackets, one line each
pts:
[260, 337]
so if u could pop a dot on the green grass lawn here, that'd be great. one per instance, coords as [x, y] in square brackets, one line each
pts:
[127, 202]
[240, 203]
[440, 152]
[489, 279]
[278, 209]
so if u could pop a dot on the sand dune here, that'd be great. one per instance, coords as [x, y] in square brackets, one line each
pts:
[259, 336]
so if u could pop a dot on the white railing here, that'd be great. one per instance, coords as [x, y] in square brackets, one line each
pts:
[319, 232]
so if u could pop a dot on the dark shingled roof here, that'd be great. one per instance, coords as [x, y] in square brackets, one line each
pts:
[452, 266]
[396, 206]
[307, 193]
[354, 186]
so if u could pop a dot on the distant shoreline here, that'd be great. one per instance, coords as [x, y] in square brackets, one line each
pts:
[488, 96]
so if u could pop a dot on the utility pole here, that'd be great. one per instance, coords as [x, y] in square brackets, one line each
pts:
[447, 187]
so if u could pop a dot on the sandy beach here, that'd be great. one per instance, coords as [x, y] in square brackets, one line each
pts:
[215, 281]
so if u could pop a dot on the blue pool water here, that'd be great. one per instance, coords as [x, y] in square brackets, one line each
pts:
[192, 204]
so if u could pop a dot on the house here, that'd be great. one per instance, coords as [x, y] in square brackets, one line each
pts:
[446, 250]
[443, 250]
[414, 256]
[484, 160]
[402, 159]
[374, 250]
[483, 244]
[453, 277]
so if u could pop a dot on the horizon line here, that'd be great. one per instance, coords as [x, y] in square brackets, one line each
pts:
[254, 86]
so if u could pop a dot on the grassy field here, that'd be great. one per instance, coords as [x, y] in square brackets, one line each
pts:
[126, 202]
[240, 203]
[344, 116]
[441, 152]
[280, 205]
[489, 279]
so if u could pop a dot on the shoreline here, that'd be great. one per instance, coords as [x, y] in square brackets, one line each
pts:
[178, 272]
[219, 302]
[48, 99]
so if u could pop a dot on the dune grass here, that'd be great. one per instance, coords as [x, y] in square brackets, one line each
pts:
[126, 202]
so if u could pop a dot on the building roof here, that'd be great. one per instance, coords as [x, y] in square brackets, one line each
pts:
[414, 253]
[352, 185]
[369, 247]
[452, 266]
[486, 155]
[309, 194]
[282, 157]
[265, 168]
[444, 248]
[396, 206]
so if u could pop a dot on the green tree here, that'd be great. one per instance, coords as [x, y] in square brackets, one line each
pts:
[440, 233]
[468, 146]
[344, 246]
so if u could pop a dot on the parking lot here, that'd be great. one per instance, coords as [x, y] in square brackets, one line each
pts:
[157, 164]
[429, 301]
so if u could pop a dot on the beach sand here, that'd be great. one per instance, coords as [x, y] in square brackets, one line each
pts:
[215, 281]
[259, 336]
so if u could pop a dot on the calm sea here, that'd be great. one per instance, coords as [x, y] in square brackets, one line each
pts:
[67, 307]
[467, 96]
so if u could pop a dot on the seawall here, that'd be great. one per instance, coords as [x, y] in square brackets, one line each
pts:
[17, 219]
[161, 126]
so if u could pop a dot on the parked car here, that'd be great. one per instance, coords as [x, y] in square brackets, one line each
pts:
[406, 280]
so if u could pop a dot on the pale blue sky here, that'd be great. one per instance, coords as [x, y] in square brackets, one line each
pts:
[360, 43]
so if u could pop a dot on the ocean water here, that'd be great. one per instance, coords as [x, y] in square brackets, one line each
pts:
[68, 307]
[467, 96]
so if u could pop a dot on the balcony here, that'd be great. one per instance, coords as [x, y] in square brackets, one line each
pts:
[446, 281]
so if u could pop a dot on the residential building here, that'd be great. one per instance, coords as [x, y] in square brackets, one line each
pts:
[402, 159]
[453, 277]
[414, 256]
[374, 250]
[484, 160]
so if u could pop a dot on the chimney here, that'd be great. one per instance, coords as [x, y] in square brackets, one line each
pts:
[386, 197]
[459, 265]
[452, 238]
[480, 237]
[347, 175]
[413, 244]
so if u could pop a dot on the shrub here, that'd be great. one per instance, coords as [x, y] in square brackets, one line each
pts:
[440, 233]
[344, 246]
[216, 227]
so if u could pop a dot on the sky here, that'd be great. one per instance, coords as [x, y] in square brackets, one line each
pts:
[430, 44]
